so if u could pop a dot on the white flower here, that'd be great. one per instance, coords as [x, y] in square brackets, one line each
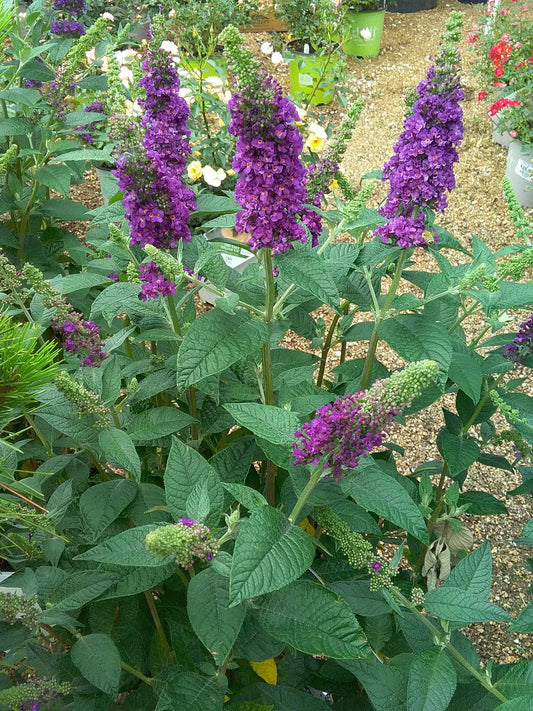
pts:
[169, 47]
[267, 48]
[276, 58]
[213, 177]
[214, 81]
[366, 33]
[125, 75]
[108, 16]
[317, 129]
[91, 56]
[172, 13]
[133, 108]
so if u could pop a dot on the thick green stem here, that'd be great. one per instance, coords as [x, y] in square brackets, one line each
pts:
[135, 672]
[482, 402]
[327, 343]
[193, 410]
[159, 626]
[319, 80]
[466, 313]
[268, 384]
[40, 435]
[171, 310]
[380, 316]
[315, 477]
[436, 633]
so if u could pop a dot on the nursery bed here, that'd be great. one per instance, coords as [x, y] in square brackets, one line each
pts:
[477, 207]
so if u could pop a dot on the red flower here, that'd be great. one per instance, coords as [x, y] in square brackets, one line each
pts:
[502, 104]
[499, 71]
[482, 96]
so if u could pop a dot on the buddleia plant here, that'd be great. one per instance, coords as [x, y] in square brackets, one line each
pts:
[25, 367]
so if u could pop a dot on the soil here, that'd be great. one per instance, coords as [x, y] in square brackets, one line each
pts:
[476, 207]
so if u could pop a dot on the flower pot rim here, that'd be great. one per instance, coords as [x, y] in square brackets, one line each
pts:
[312, 50]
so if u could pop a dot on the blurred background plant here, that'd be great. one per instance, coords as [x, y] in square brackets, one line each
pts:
[503, 41]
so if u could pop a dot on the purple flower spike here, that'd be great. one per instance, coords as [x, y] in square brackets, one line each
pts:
[421, 170]
[522, 345]
[271, 188]
[155, 283]
[156, 200]
[69, 28]
[74, 7]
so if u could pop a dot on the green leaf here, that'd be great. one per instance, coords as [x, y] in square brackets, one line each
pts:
[459, 451]
[64, 209]
[216, 625]
[415, 337]
[254, 642]
[281, 698]
[158, 422]
[462, 607]
[269, 553]
[385, 684]
[520, 703]
[360, 599]
[137, 580]
[126, 549]
[245, 495]
[518, 681]
[190, 692]
[312, 619]
[26, 96]
[233, 462]
[305, 268]
[97, 658]
[371, 488]
[473, 574]
[120, 450]
[101, 504]
[432, 681]
[16, 126]
[86, 154]
[215, 341]
[266, 421]
[466, 370]
[524, 621]
[55, 177]
[83, 280]
[482, 504]
[114, 299]
[186, 468]
[82, 586]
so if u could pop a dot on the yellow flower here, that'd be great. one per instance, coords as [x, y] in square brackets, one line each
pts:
[194, 170]
[317, 137]
[230, 172]
[314, 142]
[334, 184]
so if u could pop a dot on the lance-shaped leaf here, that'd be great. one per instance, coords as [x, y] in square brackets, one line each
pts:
[311, 618]
[215, 624]
[269, 553]
[215, 341]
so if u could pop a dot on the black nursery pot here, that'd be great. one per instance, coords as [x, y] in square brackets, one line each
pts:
[411, 5]
[472, 2]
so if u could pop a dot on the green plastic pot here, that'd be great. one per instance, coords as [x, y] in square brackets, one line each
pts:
[311, 77]
[354, 43]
